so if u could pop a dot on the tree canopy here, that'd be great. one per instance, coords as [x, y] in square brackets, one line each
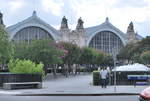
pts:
[72, 51]
[93, 56]
[6, 49]
[44, 50]
[132, 52]
[145, 57]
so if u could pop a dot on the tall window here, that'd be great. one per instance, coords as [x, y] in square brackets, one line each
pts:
[30, 33]
[106, 41]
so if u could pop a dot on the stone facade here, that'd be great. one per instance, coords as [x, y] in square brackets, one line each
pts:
[105, 36]
[131, 35]
[76, 36]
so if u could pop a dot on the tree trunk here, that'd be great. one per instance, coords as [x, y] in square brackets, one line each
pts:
[54, 70]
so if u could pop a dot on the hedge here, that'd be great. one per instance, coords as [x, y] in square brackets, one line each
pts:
[96, 78]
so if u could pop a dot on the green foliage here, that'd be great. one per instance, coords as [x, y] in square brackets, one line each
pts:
[145, 57]
[49, 52]
[44, 50]
[73, 53]
[88, 54]
[143, 45]
[6, 49]
[25, 67]
[127, 52]
[92, 56]
[99, 58]
[132, 52]
[107, 60]
[21, 50]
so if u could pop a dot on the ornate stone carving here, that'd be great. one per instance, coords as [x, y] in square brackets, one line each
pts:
[1, 19]
[130, 27]
[131, 35]
[80, 24]
[64, 23]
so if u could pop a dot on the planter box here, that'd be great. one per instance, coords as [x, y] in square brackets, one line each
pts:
[96, 78]
[8, 78]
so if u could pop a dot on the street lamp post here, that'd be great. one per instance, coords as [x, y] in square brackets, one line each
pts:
[114, 59]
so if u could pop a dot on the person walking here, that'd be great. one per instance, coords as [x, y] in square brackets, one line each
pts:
[103, 76]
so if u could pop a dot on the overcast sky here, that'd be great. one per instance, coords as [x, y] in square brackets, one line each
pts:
[93, 12]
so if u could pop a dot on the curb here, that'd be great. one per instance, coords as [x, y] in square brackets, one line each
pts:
[104, 94]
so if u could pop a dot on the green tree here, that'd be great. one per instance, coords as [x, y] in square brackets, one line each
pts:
[143, 45]
[72, 55]
[6, 49]
[145, 57]
[132, 52]
[21, 50]
[126, 53]
[87, 55]
[100, 56]
[43, 50]
[92, 57]
[107, 60]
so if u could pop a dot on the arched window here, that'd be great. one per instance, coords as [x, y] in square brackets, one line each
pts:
[31, 33]
[106, 41]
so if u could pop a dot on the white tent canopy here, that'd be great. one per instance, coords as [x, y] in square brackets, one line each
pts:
[133, 67]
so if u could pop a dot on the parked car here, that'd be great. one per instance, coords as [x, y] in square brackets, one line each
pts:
[145, 95]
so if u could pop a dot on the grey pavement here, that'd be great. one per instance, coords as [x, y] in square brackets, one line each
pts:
[69, 98]
[80, 84]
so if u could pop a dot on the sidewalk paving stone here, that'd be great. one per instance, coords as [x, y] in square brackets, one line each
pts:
[80, 84]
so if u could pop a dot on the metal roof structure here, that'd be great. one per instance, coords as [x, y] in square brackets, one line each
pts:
[34, 20]
[106, 26]
[90, 32]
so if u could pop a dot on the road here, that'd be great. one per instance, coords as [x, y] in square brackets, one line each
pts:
[68, 98]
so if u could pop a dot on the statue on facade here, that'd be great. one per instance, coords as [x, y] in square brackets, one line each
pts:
[130, 28]
[1, 19]
[80, 24]
[131, 34]
[64, 23]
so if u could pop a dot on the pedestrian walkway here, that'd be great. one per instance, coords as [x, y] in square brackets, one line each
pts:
[80, 84]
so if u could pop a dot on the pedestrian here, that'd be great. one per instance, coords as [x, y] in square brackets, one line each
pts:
[103, 76]
[99, 68]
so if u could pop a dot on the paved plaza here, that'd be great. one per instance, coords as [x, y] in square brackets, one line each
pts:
[80, 84]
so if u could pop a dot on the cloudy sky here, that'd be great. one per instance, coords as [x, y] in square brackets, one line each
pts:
[93, 12]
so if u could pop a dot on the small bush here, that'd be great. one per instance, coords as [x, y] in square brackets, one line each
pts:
[25, 67]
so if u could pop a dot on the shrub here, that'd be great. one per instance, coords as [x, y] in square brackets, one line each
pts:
[25, 67]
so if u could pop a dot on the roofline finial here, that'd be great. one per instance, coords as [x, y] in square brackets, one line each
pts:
[107, 19]
[34, 13]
